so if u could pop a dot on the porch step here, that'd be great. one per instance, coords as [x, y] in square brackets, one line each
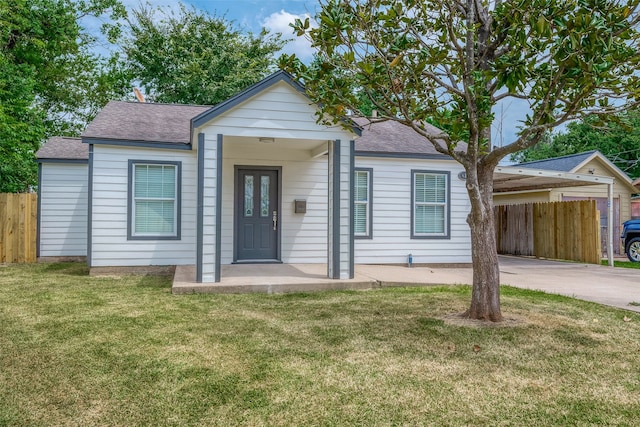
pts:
[270, 279]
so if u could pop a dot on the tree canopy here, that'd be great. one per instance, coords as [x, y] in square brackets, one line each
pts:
[192, 57]
[53, 80]
[452, 61]
[50, 82]
[617, 138]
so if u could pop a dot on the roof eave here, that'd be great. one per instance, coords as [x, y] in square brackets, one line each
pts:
[403, 155]
[137, 143]
[59, 160]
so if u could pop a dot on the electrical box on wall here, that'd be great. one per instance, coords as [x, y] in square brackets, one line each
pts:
[300, 206]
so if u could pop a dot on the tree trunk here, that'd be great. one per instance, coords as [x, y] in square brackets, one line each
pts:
[485, 298]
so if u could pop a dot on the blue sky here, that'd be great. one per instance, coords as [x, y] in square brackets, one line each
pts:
[275, 15]
[253, 15]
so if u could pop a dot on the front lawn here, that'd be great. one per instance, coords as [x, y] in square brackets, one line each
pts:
[80, 351]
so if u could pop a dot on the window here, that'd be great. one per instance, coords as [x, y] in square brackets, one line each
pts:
[154, 200]
[362, 206]
[430, 205]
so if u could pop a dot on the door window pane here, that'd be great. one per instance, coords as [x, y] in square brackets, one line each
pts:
[264, 195]
[248, 195]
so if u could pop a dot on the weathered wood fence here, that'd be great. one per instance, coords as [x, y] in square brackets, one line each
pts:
[18, 224]
[557, 230]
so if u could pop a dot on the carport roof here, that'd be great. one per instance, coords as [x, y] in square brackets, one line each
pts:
[516, 178]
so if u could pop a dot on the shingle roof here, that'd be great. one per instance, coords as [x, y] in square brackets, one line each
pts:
[60, 147]
[563, 164]
[392, 137]
[135, 121]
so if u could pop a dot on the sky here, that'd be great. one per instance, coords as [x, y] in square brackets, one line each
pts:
[276, 15]
[253, 15]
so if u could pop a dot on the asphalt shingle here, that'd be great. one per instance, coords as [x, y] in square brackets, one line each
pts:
[61, 147]
[563, 164]
[171, 123]
[392, 137]
[149, 122]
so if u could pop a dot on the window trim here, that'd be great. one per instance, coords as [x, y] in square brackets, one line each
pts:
[447, 227]
[176, 235]
[369, 233]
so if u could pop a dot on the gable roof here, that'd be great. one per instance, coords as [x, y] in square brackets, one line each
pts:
[392, 138]
[63, 148]
[564, 163]
[267, 82]
[144, 122]
[171, 125]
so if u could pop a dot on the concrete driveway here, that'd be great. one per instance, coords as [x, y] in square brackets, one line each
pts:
[616, 287]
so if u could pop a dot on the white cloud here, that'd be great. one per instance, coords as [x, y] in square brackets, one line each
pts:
[278, 22]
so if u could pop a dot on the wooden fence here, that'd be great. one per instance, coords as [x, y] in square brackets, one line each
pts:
[557, 230]
[18, 224]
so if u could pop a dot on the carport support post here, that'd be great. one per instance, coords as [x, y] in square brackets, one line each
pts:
[610, 225]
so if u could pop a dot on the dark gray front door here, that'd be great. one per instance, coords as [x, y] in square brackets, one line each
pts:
[257, 216]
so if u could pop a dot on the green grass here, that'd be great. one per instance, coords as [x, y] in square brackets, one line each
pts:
[81, 351]
[623, 264]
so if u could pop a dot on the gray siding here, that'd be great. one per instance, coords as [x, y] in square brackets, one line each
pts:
[391, 195]
[278, 112]
[110, 246]
[63, 214]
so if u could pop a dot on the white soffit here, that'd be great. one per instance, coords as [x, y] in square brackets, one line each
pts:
[513, 178]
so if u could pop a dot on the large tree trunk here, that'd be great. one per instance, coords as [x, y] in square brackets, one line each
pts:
[485, 298]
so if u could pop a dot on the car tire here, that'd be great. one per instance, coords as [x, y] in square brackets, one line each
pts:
[633, 249]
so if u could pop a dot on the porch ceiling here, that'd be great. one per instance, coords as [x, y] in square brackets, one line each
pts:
[314, 147]
[511, 178]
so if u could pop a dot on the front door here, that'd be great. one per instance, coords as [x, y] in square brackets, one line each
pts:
[257, 215]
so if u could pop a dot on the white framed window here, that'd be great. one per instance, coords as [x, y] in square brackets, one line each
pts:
[154, 200]
[430, 210]
[362, 203]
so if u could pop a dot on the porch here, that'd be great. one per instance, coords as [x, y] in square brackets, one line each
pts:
[284, 278]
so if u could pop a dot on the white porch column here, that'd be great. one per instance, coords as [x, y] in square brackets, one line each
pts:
[340, 259]
[209, 213]
[610, 224]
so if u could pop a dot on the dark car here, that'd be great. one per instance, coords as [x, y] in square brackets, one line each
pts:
[631, 239]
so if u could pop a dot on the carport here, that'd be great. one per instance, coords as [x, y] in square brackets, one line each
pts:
[512, 178]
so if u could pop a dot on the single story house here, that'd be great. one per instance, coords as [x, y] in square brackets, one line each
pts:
[587, 163]
[254, 179]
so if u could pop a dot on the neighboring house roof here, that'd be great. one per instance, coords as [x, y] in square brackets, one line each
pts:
[63, 148]
[572, 163]
[145, 122]
[636, 184]
[564, 164]
[393, 138]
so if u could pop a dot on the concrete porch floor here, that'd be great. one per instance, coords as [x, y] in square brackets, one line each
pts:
[280, 278]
